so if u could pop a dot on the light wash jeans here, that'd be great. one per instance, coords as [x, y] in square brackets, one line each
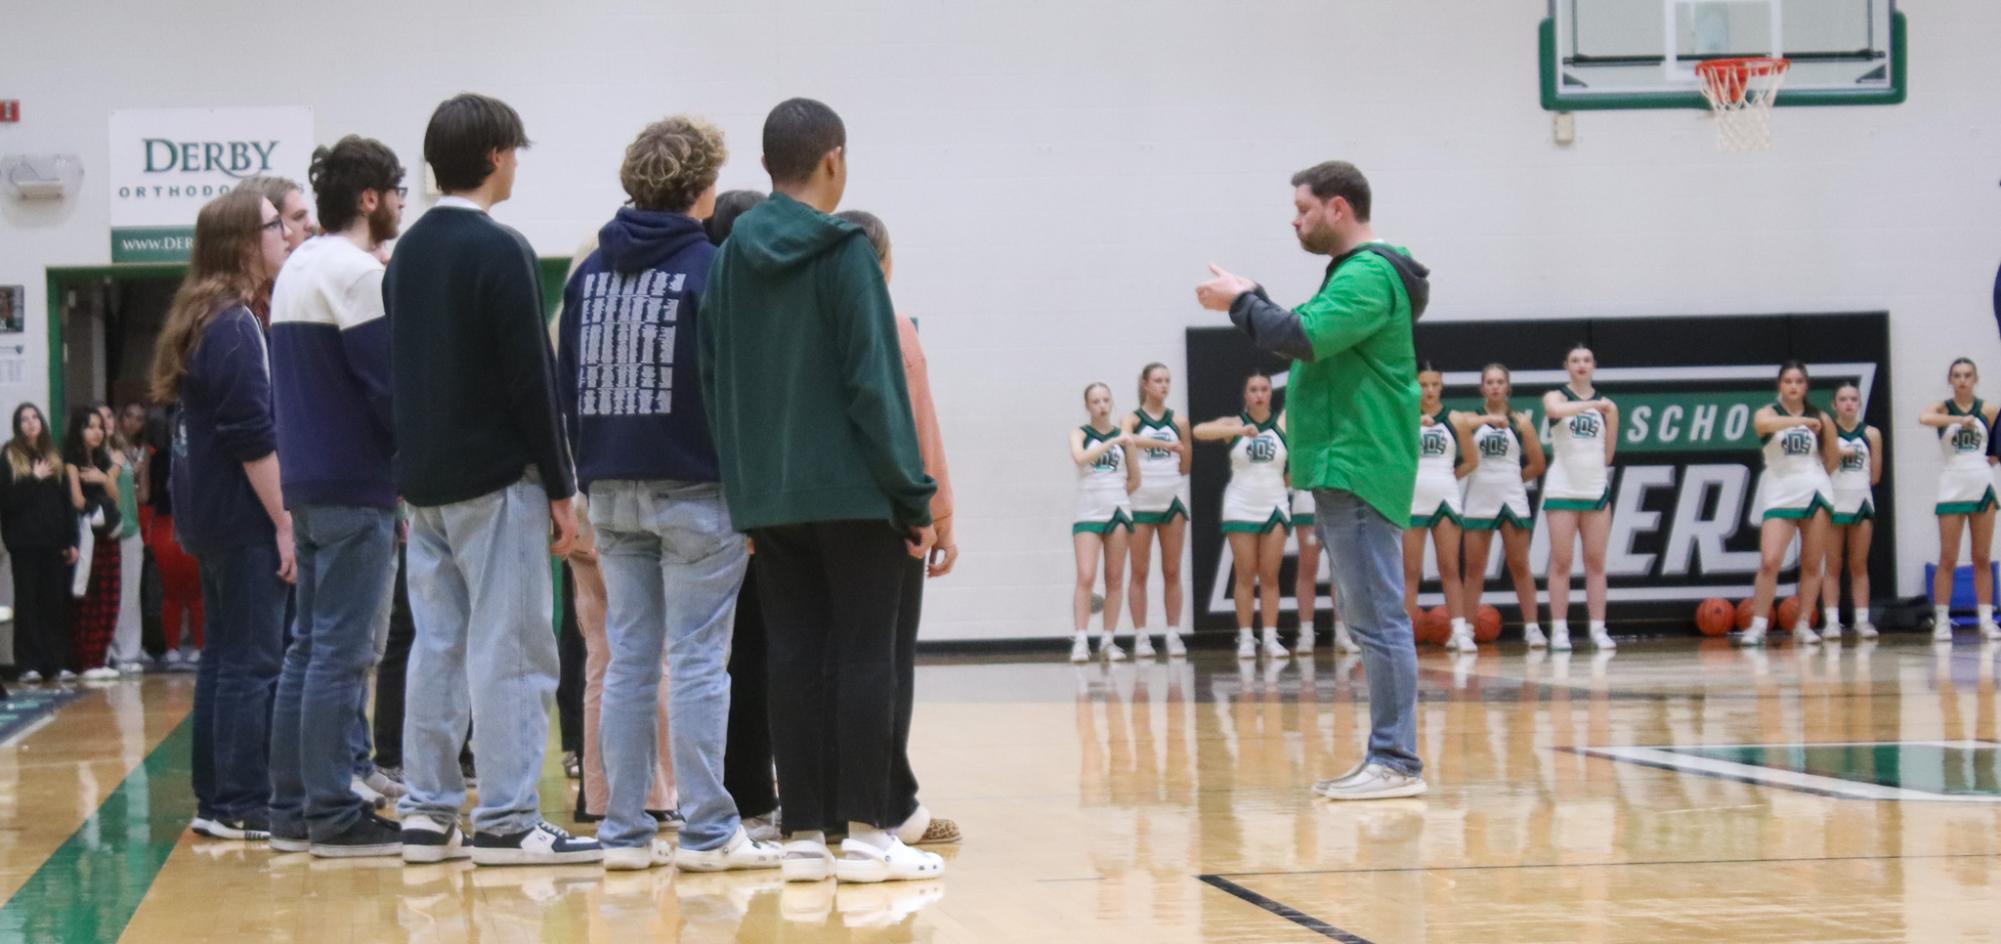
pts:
[672, 566]
[1365, 553]
[131, 562]
[484, 654]
[347, 563]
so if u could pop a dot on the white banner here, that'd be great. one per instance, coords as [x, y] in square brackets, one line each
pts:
[164, 163]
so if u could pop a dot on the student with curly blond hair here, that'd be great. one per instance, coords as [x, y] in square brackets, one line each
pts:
[672, 560]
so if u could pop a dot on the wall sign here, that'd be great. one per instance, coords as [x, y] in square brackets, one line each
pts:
[166, 162]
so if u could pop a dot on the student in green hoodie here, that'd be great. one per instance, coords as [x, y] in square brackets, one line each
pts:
[1352, 407]
[802, 378]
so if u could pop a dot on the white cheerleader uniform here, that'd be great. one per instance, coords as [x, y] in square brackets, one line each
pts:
[1102, 502]
[1966, 484]
[1854, 499]
[1796, 484]
[1578, 479]
[1437, 495]
[1158, 500]
[1495, 492]
[1256, 500]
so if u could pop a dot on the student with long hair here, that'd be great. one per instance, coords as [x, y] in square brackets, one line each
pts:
[1445, 457]
[94, 615]
[1497, 496]
[1257, 511]
[229, 513]
[1102, 525]
[181, 616]
[1966, 498]
[1800, 448]
[128, 461]
[38, 525]
[1158, 511]
[1577, 498]
[1855, 476]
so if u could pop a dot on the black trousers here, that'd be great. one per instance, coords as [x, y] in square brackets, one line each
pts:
[151, 638]
[831, 592]
[570, 672]
[389, 676]
[41, 610]
[903, 780]
[747, 754]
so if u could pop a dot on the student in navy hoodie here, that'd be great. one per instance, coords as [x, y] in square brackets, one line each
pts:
[211, 357]
[672, 561]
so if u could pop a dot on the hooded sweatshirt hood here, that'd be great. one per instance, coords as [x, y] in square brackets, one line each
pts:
[1415, 276]
[782, 233]
[643, 239]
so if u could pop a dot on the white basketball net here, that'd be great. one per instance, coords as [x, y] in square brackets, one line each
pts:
[1740, 94]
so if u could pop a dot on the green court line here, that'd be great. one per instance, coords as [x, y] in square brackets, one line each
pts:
[88, 889]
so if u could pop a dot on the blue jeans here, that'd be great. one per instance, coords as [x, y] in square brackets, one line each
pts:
[484, 655]
[241, 649]
[1365, 553]
[347, 559]
[672, 566]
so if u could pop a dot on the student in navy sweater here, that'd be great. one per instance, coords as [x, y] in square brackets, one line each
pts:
[672, 562]
[330, 360]
[481, 460]
[211, 357]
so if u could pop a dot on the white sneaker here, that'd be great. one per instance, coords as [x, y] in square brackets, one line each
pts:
[863, 863]
[1462, 642]
[1831, 632]
[1942, 632]
[1602, 640]
[132, 668]
[1080, 650]
[102, 673]
[65, 676]
[807, 860]
[1751, 637]
[1990, 631]
[1175, 647]
[1273, 649]
[1304, 644]
[1559, 640]
[32, 677]
[1247, 649]
[1865, 630]
[1805, 636]
[1534, 637]
[541, 844]
[740, 852]
[1353, 772]
[1142, 646]
[1375, 782]
[1344, 641]
[639, 858]
[428, 840]
[1110, 650]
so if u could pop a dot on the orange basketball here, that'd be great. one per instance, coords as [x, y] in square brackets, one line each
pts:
[1487, 624]
[1744, 613]
[1434, 626]
[1788, 614]
[1714, 617]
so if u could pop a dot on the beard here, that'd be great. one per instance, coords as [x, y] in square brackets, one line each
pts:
[1319, 241]
[383, 224]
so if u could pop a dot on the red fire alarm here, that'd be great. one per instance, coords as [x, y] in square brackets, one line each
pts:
[10, 110]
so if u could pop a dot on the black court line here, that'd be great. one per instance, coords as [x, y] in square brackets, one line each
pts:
[1285, 911]
[1600, 865]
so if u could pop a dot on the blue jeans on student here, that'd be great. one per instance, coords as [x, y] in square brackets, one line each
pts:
[672, 567]
[1365, 553]
[484, 655]
[347, 560]
[241, 651]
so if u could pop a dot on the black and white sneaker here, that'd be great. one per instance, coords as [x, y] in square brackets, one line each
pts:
[371, 835]
[427, 839]
[543, 845]
[289, 839]
[202, 826]
[239, 828]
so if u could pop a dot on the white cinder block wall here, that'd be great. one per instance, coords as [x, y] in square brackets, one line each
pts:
[1055, 174]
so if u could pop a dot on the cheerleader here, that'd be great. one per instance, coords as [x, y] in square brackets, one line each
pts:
[1445, 456]
[1497, 496]
[1104, 520]
[1163, 460]
[1854, 523]
[1577, 498]
[1966, 499]
[1306, 581]
[1257, 508]
[1798, 499]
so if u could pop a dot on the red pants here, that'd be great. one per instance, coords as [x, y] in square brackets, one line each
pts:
[180, 580]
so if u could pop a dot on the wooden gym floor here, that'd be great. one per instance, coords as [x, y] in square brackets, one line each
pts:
[1675, 792]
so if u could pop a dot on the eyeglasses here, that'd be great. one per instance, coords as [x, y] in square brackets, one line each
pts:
[402, 191]
[276, 226]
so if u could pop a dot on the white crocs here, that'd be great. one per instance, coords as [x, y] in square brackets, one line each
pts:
[865, 864]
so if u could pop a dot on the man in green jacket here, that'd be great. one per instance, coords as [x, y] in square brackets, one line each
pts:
[1352, 420]
[803, 381]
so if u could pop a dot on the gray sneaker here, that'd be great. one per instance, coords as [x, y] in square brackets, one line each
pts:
[1375, 782]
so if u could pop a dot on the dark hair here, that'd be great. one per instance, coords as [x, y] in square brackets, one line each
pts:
[1330, 179]
[74, 451]
[340, 174]
[797, 134]
[729, 206]
[1792, 365]
[1426, 365]
[1093, 385]
[1968, 361]
[671, 163]
[463, 134]
[1847, 384]
[21, 454]
[1144, 373]
[872, 227]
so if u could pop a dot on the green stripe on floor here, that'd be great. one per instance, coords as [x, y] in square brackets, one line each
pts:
[88, 890]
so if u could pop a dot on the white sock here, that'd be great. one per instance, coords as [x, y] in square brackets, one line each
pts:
[1459, 626]
[1758, 624]
[876, 838]
[1943, 615]
[1986, 611]
[1271, 634]
[1832, 615]
[1084, 636]
[1244, 634]
[1598, 628]
[1559, 627]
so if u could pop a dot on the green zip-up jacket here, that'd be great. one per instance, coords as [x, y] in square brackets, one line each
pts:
[1351, 400]
[802, 376]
